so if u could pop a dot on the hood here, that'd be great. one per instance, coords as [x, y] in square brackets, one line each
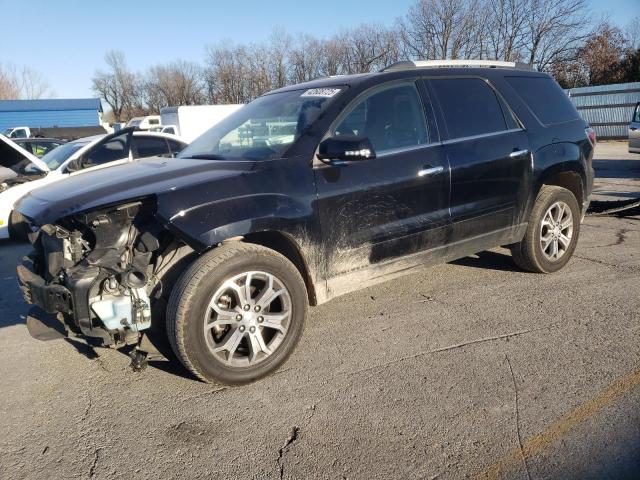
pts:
[116, 184]
[13, 154]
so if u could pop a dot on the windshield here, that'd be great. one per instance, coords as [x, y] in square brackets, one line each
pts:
[8, 131]
[265, 128]
[58, 156]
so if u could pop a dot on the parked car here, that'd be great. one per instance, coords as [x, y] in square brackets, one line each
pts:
[39, 146]
[64, 133]
[17, 132]
[634, 131]
[144, 123]
[191, 121]
[14, 160]
[307, 193]
[172, 129]
[71, 159]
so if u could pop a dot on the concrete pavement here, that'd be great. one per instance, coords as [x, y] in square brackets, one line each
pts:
[472, 369]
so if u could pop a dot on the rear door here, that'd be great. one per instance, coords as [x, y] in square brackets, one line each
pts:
[634, 130]
[488, 153]
[376, 210]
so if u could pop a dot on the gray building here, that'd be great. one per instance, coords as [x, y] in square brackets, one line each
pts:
[607, 108]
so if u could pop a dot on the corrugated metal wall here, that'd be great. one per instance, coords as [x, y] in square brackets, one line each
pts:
[607, 108]
[49, 118]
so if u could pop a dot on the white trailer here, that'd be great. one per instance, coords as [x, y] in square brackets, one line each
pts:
[191, 121]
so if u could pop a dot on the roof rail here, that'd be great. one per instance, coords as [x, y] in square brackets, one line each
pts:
[455, 63]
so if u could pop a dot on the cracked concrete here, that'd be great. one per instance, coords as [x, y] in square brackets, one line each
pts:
[470, 367]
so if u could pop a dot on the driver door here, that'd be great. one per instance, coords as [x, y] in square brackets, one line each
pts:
[378, 210]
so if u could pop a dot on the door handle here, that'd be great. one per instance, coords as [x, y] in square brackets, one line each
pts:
[518, 153]
[429, 170]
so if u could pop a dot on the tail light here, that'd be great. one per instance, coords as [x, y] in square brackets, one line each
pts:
[591, 135]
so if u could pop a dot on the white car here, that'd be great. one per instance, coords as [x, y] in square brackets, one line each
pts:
[21, 171]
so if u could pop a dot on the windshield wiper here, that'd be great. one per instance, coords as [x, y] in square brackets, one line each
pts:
[206, 156]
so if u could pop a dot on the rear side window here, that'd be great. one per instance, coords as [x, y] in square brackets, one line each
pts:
[636, 114]
[150, 146]
[469, 106]
[545, 98]
[175, 147]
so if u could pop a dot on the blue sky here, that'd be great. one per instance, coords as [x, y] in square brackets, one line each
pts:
[66, 39]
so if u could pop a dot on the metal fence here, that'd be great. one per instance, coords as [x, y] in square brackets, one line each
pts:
[607, 108]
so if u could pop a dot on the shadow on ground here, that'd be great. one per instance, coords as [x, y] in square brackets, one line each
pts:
[489, 260]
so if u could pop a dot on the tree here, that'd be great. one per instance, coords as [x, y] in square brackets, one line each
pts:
[176, 83]
[602, 54]
[22, 83]
[118, 86]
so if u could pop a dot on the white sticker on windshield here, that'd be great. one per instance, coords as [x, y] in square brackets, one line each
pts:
[320, 92]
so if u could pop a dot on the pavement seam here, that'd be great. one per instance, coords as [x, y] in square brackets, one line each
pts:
[451, 347]
[517, 414]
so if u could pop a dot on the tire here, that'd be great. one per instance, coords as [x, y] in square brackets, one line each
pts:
[198, 289]
[18, 229]
[528, 254]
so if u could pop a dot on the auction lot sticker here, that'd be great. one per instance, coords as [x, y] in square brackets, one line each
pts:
[320, 92]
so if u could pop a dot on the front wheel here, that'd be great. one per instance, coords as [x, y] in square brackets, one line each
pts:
[552, 233]
[237, 313]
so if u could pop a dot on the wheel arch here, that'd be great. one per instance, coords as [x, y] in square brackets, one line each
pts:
[288, 247]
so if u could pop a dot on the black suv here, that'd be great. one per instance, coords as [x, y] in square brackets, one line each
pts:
[307, 193]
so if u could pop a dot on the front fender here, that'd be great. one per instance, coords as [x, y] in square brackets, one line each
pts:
[206, 225]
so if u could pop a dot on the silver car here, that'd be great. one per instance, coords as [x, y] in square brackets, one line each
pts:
[634, 131]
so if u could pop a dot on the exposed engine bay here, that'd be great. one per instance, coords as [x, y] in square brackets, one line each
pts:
[101, 271]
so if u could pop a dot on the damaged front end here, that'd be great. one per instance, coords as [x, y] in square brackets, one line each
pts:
[95, 272]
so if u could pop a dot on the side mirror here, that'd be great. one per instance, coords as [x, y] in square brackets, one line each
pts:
[345, 148]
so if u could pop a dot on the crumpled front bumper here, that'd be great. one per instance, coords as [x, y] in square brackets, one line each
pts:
[51, 298]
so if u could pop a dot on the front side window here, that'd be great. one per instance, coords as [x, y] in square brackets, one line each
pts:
[20, 133]
[391, 118]
[58, 156]
[469, 106]
[636, 115]
[265, 128]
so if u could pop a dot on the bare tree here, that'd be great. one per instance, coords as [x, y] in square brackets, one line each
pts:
[439, 29]
[9, 87]
[555, 30]
[23, 83]
[632, 33]
[117, 86]
[177, 83]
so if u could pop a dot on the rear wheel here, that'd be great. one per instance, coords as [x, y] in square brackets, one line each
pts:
[237, 313]
[552, 233]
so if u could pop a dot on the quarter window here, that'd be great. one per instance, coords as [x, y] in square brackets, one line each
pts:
[469, 106]
[545, 98]
[150, 146]
[391, 118]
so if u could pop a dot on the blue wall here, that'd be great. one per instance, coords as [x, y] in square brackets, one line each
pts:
[49, 118]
